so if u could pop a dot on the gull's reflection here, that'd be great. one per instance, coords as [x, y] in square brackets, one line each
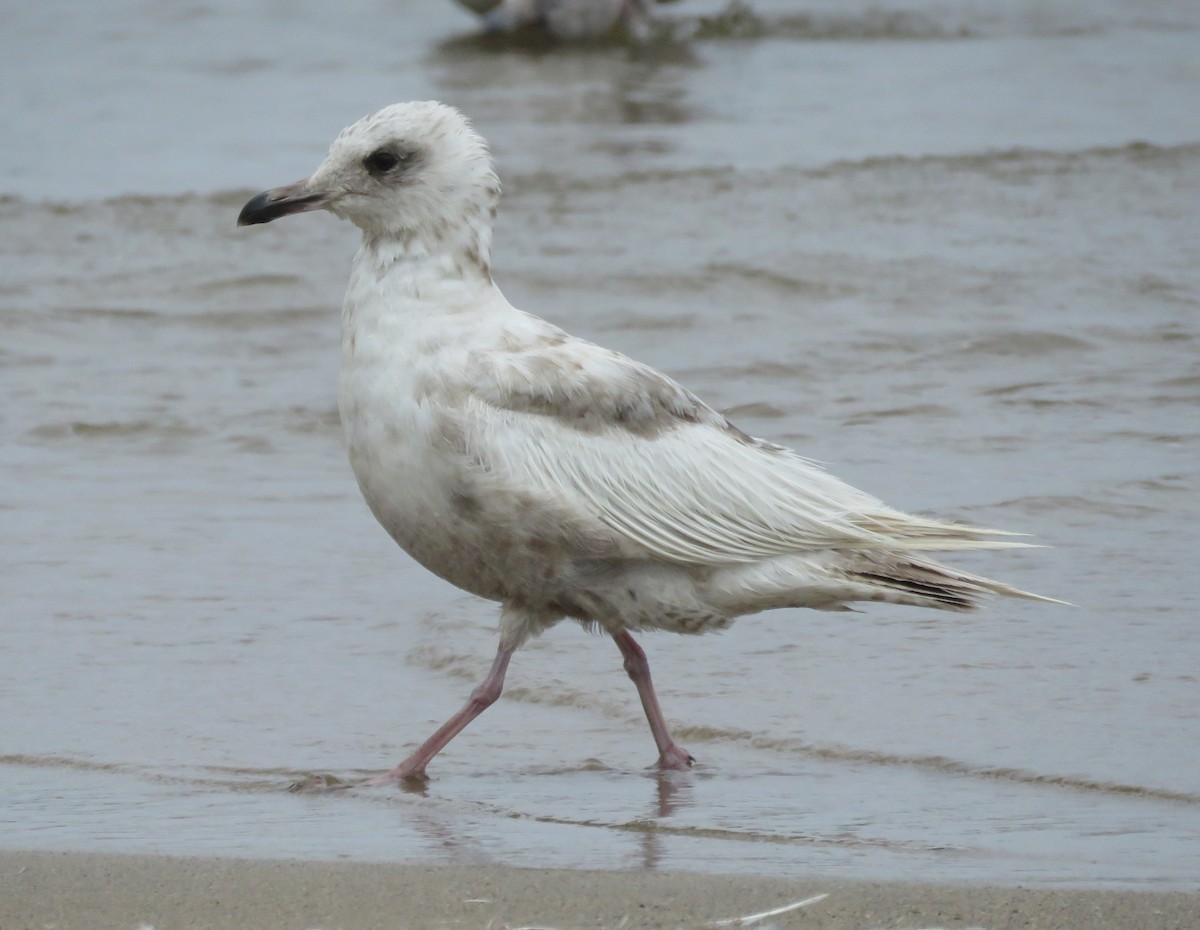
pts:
[673, 792]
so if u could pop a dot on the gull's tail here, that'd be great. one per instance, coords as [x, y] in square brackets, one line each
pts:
[889, 573]
[895, 578]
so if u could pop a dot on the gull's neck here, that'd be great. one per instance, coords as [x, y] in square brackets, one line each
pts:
[433, 253]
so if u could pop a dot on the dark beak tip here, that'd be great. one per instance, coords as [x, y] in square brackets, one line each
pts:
[280, 201]
[257, 210]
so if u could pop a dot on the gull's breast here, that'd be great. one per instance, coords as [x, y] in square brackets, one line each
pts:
[401, 397]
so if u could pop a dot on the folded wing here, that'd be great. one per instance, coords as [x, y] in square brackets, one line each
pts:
[620, 444]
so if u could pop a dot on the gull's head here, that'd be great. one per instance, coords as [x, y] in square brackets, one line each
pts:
[412, 171]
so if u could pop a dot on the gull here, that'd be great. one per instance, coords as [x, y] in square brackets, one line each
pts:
[558, 478]
[563, 19]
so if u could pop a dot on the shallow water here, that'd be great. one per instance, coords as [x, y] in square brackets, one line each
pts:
[950, 249]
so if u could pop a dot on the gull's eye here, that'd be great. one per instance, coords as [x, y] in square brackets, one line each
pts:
[382, 161]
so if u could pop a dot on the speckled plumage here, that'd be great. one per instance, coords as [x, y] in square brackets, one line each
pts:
[556, 477]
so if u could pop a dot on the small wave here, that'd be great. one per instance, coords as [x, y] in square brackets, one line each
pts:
[232, 778]
[256, 318]
[1049, 502]
[1025, 344]
[788, 285]
[919, 411]
[237, 320]
[1018, 164]
[587, 765]
[1170, 483]
[116, 429]
[645, 323]
[1188, 381]
[738, 20]
[305, 421]
[108, 313]
[1039, 403]
[63, 762]
[218, 285]
[1141, 436]
[1020, 160]
[1007, 389]
[758, 410]
[760, 370]
[11, 359]
[1151, 285]
[1184, 390]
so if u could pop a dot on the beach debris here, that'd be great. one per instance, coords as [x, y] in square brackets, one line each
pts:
[751, 919]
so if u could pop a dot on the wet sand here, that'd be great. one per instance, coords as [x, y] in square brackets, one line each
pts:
[77, 890]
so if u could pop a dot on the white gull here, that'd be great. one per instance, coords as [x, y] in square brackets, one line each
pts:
[563, 19]
[558, 478]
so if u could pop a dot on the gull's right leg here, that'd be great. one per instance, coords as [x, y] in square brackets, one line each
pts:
[670, 754]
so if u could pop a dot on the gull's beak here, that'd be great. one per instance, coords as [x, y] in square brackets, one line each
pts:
[280, 201]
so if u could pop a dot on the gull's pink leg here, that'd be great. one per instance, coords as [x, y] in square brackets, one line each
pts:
[670, 754]
[483, 697]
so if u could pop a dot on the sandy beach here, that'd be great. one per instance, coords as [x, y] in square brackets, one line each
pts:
[81, 891]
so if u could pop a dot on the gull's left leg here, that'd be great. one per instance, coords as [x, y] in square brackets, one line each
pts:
[483, 697]
[670, 754]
